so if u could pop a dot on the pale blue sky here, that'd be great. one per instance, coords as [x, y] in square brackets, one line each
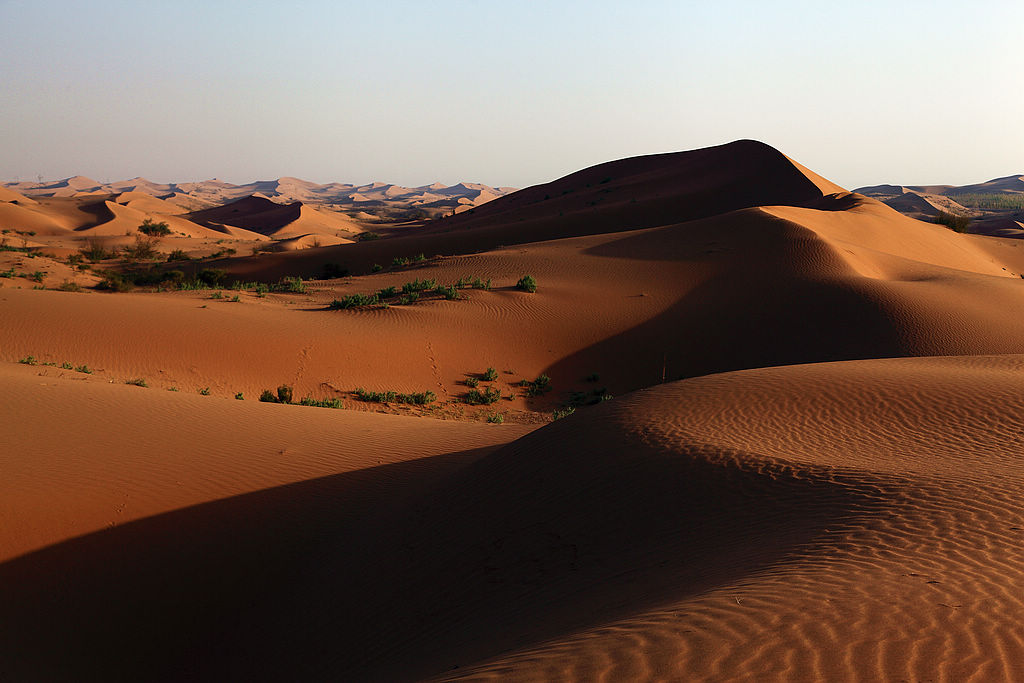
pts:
[505, 93]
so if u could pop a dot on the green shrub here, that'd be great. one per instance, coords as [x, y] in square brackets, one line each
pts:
[148, 227]
[94, 251]
[205, 391]
[420, 398]
[354, 300]
[496, 419]
[477, 283]
[490, 374]
[290, 284]
[66, 366]
[114, 283]
[284, 394]
[486, 397]
[449, 292]
[143, 249]
[953, 222]
[410, 298]
[217, 295]
[69, 286]
[83, 369]
[527, 284]
[261, 290]
[388, 292]
[367, 236]
[239, 396]
[472, 382]
[322, 403]
[268, 396]
[28, 360]
[419, 258]
[418, 285]
[539, 386]
[178, 255]
[138, 382]
[563, 412]
[375, 396]
[212, 277]
[399, 261]
[376, 268]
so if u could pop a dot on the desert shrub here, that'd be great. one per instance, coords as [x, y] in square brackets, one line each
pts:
[409, 298]
[28, 360]
[205, 391]
[178, 255]
[94, 251]
[418, 398]
[138, 382]
[217, 295]
[490, 374]
[149, 227]
[496, 418]
[212, 277]
[322, 402]
[563, 412]
[388, 292]
[449, 292]
[83, 369]
[375, 396]
[527, 284]
[472, 382]
[239, 396]
[294, 285]
[143, 249]
[418, 285]
[419, 258]
[69, 286]
[67, 366]
[400, 261]
[261, 290]
[486, 397]
[267, 396]
[368, 236]
[953, 222]
[284, 394]
[114, 283]
[536, 387]
[477, 283]
[354, 301]
[376, 268]
[236, 299]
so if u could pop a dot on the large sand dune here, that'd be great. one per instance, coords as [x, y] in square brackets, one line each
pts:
[809, 469]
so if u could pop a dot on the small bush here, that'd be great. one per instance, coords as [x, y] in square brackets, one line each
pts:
[178, 255]
[268, 396]
[235, 299]
[388, 292]
[496, 419]
[322, 403]
[472, 382]
[418, 285]
[486, 397]
[294, 285]
[114, 283]
[284, 394]
[138, 382]
[477, 283]
[148, 227]
[28, 360]
[212, 277]
[376, 268]
[66, 366]
[449, 292]
[94, 251]
[217, 295]
[205, 391]
[953, 222]
[407, 299]
[69, 286]
[83, 369]
[354, 301]
[539, 386]
[261, 290]
[399, 261]
[375, 396]
[367, 236]
[419, 258]
[490, 374]
[563, 412]
[527, 284]
[143, 249]
[239, 396]
[419, 398]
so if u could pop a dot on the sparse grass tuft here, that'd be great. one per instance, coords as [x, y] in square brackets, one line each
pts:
[138, 382]
[294, 285]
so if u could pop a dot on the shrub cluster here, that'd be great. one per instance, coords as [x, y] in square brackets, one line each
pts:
[419, 398]
[536, 387]
[283, 395]
[953, 221]
[489, 395]
[151, 228]
[527, 284]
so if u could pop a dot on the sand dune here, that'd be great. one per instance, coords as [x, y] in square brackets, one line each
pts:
[808, 468]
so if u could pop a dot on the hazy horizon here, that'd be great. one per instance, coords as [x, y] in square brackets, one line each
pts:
[916, 93]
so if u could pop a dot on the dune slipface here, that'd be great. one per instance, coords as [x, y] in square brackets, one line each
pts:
[794, 453]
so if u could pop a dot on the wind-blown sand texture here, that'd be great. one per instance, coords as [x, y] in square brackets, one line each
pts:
[810, 469]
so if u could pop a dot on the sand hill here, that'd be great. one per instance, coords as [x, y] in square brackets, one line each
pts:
[792, 453]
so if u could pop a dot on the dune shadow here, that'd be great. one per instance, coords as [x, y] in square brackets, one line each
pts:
[401, 571]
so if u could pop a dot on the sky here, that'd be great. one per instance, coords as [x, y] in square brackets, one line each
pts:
[507, 94]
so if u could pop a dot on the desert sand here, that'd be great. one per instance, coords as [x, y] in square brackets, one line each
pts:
[788, 447]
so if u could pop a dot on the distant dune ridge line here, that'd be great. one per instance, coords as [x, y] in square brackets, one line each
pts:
[788, 448]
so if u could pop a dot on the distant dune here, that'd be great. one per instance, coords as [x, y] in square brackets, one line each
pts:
[749, 426]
